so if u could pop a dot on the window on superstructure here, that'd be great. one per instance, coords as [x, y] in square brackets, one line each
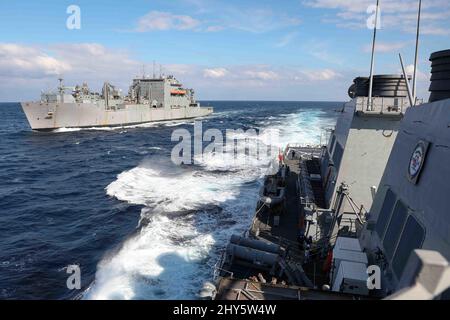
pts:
[394, 229]
[337, 155]
[412, 238]
[333, 140]
[385, 213]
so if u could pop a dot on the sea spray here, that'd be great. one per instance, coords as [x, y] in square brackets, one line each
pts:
[190, 213]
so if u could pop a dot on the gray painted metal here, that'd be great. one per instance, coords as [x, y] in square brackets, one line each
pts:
[383, 86]
[372, 61]
[256, 244]
[427, 201]
[392, 88]
[440, 54]
[389, 93]
[440, 85]
[440, 68]
[366, 140]
[273, 200]
[427, 277]
[149, 100]
[416, 53]
[440, 61]
[440, 76]
[257, 257]
[438, 96]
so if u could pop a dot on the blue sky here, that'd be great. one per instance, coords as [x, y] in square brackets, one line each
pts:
[257, 50]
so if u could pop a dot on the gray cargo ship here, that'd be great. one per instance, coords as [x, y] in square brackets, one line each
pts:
[148, 100]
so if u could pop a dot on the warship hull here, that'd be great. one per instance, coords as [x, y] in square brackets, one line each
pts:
[50, 116]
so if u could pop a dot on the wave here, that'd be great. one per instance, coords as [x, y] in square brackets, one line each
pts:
[190, 212]
[189, 216]
[168, 123]
[172, 189]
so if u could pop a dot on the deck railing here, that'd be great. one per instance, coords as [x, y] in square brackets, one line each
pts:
[218, 267]
[384, 105]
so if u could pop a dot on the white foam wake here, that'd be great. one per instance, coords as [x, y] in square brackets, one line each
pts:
[172, 123]
[189, 215]
[154, 265]
[173, 189]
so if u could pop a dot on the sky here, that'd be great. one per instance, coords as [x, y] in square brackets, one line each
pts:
[225, 50]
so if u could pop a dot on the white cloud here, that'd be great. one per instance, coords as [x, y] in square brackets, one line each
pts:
[34, 68]
[18, 61]
[386, 47]
[287, 39]
[161, 21]
[348, 5]
[39, 68]
[177, 69]
[420, 75]
[320, 75]
[436, 31]
[214, 28]
[257, 20]
[398, 15]
[96, 63]
[262, 75]
[323, 50]
[226, 16]
[266, 75]
[215, 73]
[389, 7]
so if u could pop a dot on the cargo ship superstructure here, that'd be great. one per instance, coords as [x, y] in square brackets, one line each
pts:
[148, 100]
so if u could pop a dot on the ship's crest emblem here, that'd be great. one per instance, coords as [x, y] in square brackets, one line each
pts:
[417, 161]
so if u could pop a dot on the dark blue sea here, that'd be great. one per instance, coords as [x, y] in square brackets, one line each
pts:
[112, 202]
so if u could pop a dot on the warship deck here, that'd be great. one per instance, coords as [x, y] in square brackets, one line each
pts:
[248, 281]
[246, 290]
[286, 231]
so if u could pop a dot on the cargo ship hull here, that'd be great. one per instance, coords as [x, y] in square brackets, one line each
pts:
[50, 116]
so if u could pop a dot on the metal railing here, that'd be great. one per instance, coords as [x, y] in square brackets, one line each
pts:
[382, 105]
[218, 267]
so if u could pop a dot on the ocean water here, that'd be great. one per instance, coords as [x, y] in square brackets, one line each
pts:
[111, 201]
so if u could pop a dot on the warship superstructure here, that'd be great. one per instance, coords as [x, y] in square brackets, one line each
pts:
[363, 216]
[148, 100]
[370, 204]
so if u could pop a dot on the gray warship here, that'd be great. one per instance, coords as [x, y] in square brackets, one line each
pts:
[363, 216]
[148, 100]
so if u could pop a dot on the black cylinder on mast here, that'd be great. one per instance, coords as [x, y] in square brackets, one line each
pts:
[440, 75]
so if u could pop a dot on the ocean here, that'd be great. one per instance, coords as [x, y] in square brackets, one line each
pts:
[111, 201]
